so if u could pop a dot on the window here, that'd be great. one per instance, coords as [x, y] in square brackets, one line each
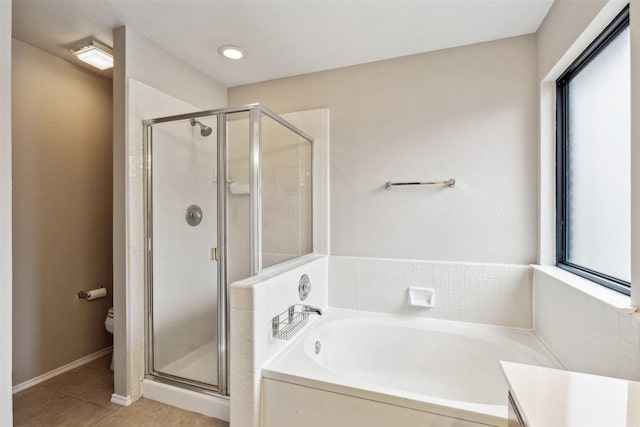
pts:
[593, 161]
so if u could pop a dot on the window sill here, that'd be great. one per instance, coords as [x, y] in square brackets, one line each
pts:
[594, 290]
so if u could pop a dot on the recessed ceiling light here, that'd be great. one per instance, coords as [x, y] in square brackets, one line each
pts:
[95, 54]
[232, 52]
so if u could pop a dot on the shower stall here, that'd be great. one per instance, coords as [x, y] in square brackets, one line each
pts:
[227, 194]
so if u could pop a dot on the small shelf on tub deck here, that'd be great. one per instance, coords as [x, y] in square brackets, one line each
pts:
[286, 324]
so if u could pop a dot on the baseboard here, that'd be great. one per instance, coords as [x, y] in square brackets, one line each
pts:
[61, 370]
[121, 400]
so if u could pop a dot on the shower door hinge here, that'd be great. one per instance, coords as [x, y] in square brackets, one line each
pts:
[214, 254]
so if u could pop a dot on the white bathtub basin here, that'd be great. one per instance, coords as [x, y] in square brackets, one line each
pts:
[441, 367]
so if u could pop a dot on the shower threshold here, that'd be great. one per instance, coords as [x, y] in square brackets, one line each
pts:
[199, 365]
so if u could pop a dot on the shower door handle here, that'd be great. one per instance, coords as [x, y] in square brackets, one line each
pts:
[215, 256]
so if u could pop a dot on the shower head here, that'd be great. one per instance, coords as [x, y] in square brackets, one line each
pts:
[204, 129]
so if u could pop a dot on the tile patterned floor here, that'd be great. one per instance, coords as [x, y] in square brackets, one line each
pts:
[82, 397]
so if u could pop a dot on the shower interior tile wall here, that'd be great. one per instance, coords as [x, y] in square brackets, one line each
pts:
[182, 163]
[316, 124]
[498, 294]
[238, 205]
[286, 190]
[286, 194]
[283, 236]
[145, 102]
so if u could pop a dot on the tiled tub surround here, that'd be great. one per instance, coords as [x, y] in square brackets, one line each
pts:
[498, 294]
[380, 369]
[254, 302]
[585, 332]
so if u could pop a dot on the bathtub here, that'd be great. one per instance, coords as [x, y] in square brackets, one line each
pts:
[352, 368]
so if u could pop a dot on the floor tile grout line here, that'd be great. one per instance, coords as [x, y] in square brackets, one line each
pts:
[44, 423]
[109, 416]
[75, 396]
[67, 394]
[78, 398]
[97, 393]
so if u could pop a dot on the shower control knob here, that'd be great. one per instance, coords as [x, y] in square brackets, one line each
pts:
[304, 287]
[193, 215]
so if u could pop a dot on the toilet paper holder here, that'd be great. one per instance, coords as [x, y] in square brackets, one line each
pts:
[93, 293]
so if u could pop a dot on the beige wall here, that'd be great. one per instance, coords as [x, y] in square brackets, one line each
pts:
[467, 113]
[62, 175]
[5, 214]
[562, 27]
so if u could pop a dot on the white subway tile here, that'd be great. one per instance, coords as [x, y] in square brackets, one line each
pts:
[395, 299]
[382, 283]
[383, 266]
[366, 277]
[366, 264]
[425, 281]
[472, 300]
[354, 293]
[491, 286]
[407, 280]
[424, 269]
[456, 313]
[495, 271]
[405, 267]
[585, 333]
[472, 284]
[497, 316]
[456, 299]
[517, 272]
[473, 314]
[337, 294]
[497, 301]
[455, 270]
[439, 312]
[473, 270]
[441, 299]
[383, 279]
[456, 284]
[440, 270]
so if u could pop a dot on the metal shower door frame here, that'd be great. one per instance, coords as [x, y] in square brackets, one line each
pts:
[255, 111]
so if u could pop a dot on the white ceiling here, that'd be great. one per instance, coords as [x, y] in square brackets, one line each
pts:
[282, 37]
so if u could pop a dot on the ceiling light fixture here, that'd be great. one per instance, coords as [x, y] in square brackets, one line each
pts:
[95, 54]
[232, 52]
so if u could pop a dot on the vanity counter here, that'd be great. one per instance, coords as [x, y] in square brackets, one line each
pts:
[546, 397]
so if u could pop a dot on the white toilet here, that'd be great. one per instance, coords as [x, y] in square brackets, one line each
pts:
[108, 325]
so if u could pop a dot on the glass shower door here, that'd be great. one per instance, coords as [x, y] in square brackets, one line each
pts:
[183, 228]
[227, 193]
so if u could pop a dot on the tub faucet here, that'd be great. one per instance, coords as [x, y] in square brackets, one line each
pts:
[310, 309]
